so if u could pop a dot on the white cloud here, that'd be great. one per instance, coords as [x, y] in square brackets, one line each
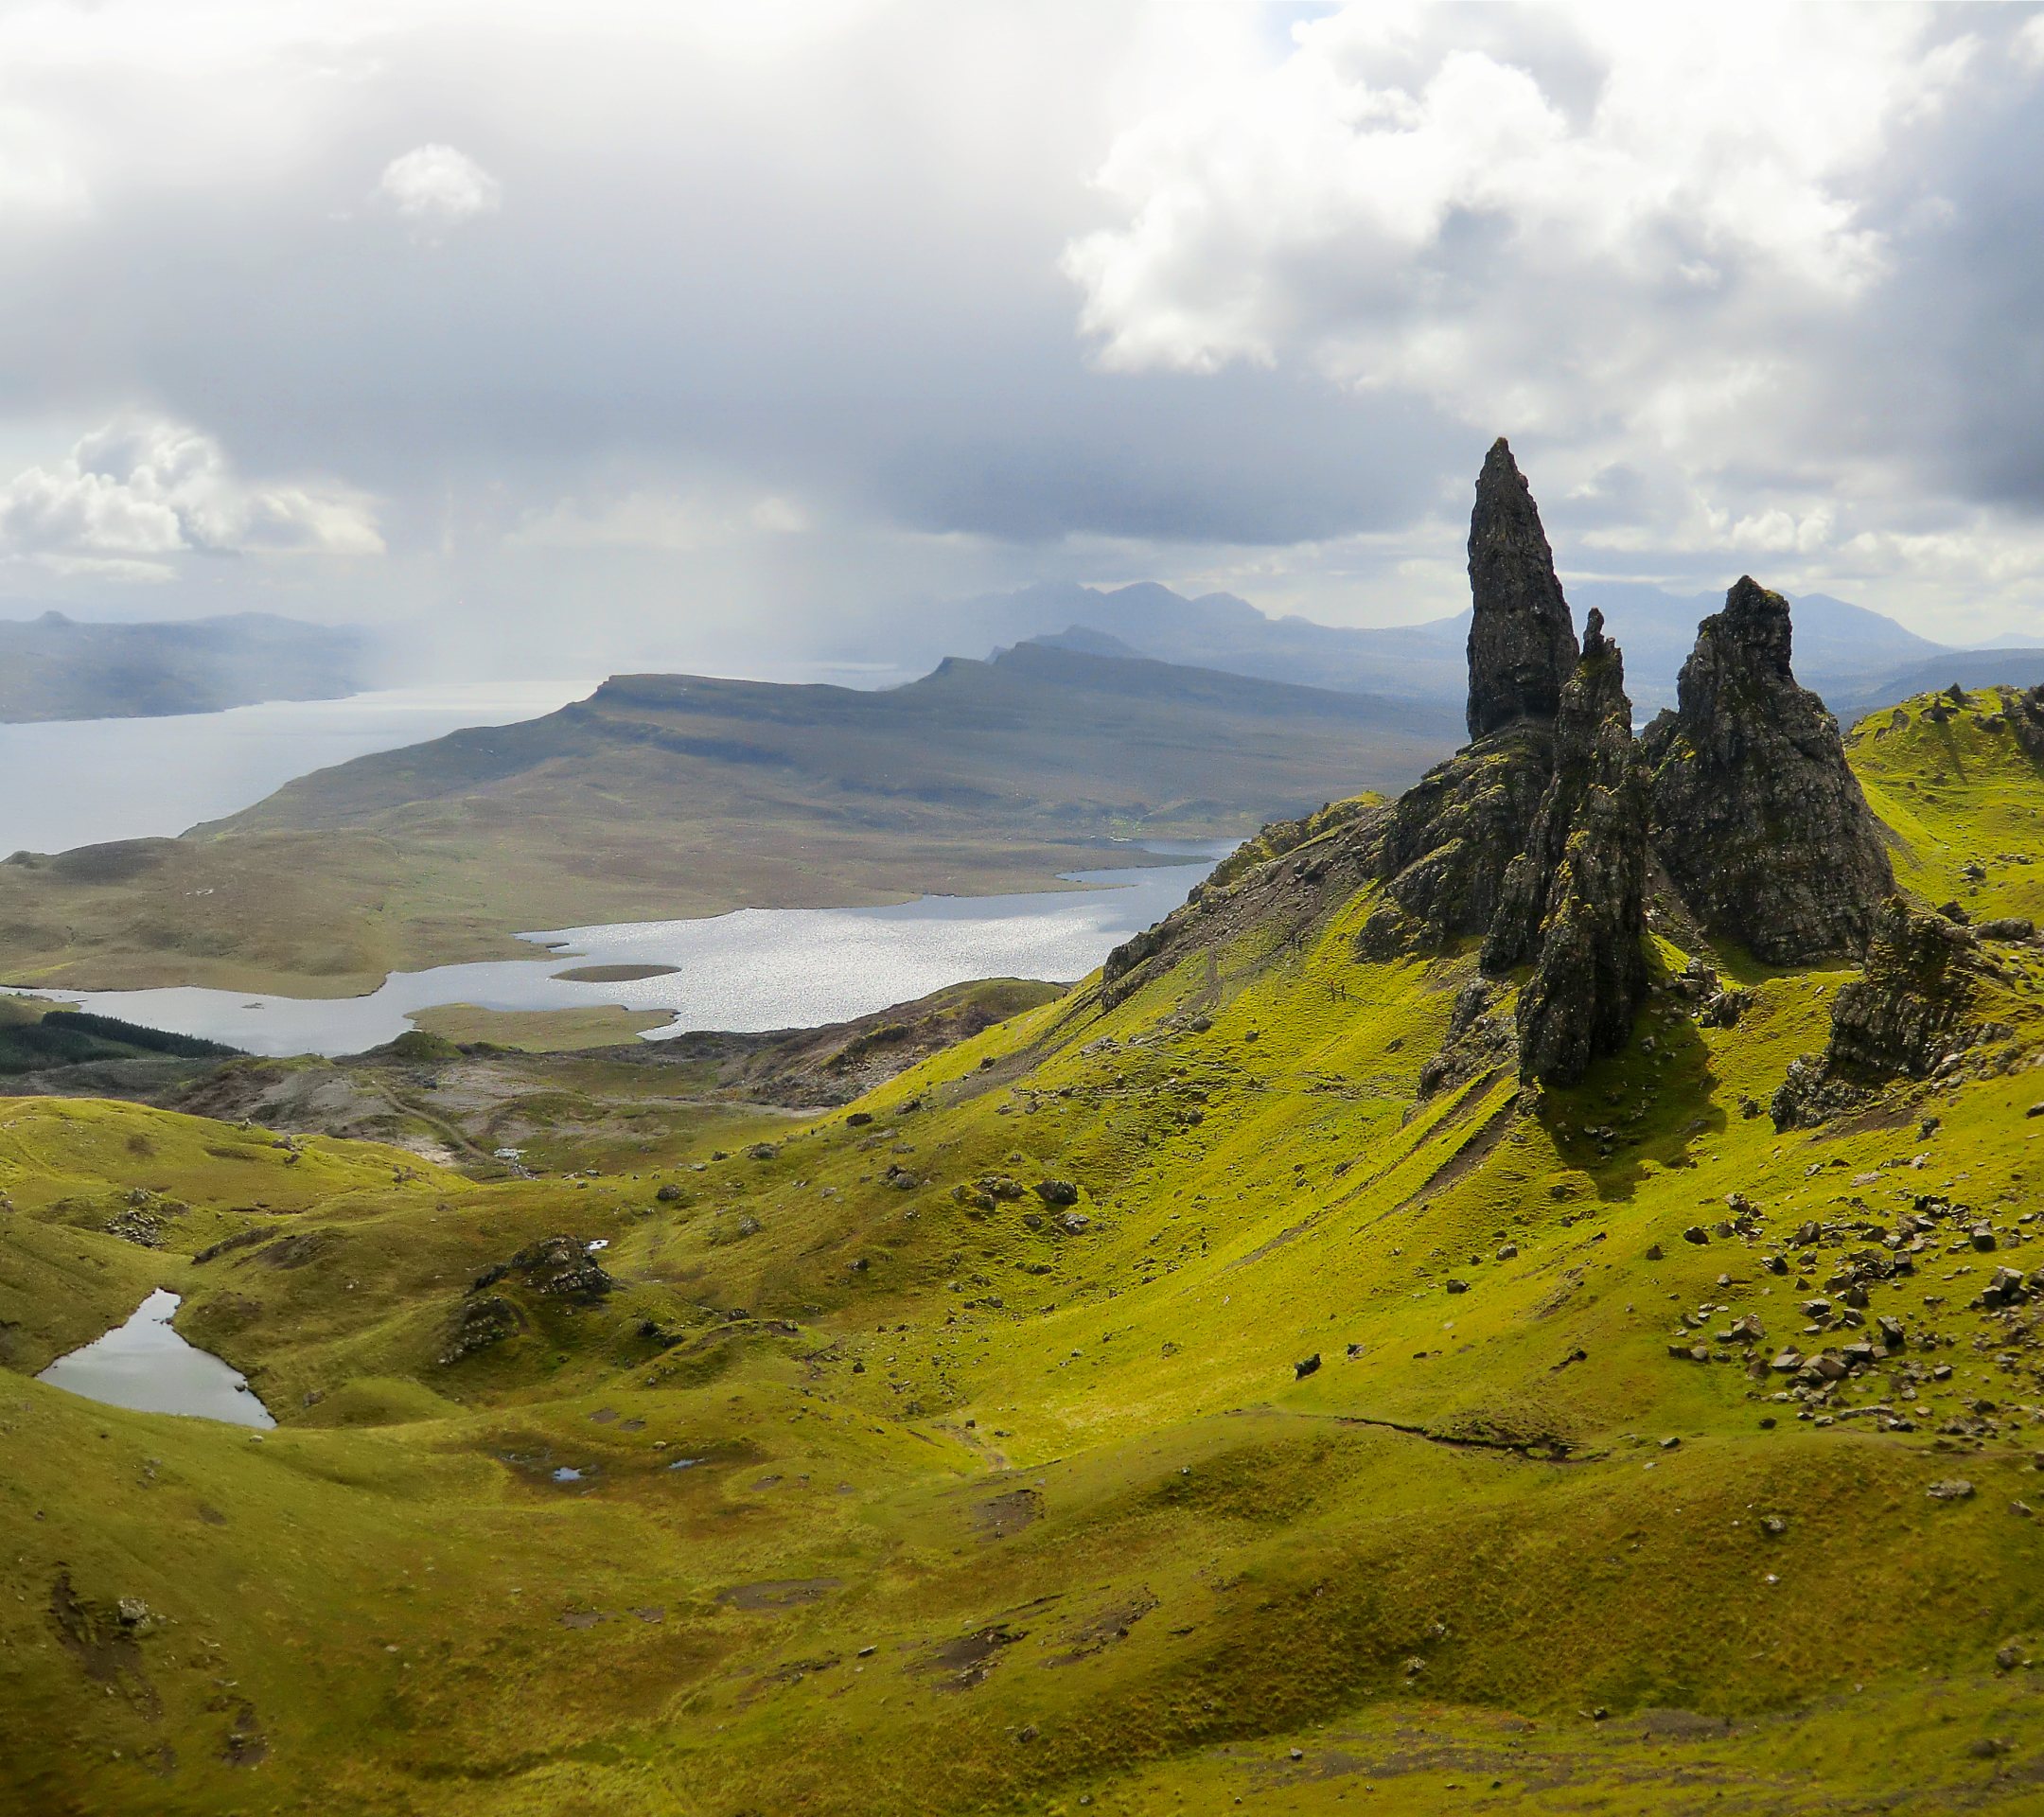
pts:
[140, 491]
[1406, 208]
[436, 188]
[679, 523]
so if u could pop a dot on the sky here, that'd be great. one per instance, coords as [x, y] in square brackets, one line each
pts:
[746, 337]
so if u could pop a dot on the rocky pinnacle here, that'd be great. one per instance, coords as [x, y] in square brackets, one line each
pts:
[1521, 642]
[1575, 899]
[1757, 818]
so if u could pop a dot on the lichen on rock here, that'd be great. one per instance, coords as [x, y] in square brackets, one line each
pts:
[1443, 850]
[1757, 817]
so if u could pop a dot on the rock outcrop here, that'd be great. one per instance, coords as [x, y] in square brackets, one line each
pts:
[1757, 818]
[1534, 837]
[1444, 848]
[1916, 1007]
[1521, 642]
[1574, 901]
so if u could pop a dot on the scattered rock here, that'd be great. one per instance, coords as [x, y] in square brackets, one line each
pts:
[1056, 1192]
[1955, 1488]
[1309, 1366]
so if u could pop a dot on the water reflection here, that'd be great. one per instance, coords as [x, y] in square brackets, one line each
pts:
[146, 1366]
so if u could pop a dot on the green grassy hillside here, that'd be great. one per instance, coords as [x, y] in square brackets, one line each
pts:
[866, 1476]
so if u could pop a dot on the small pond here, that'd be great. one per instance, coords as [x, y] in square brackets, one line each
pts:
[146, 1366]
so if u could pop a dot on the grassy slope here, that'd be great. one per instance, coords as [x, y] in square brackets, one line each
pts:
[1103, 1546]
[667, 796]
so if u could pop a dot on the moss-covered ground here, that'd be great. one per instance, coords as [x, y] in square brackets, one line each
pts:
[872, 1487]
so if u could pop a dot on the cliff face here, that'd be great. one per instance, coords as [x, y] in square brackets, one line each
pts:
[1757, 817]
[1521, 642]
[1447, 841]
[1574, 900]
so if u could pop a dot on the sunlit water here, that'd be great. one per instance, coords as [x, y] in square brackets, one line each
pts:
[750, 970]
[132, 779]
[146, 1366]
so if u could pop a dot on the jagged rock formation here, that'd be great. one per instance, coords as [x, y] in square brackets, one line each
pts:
[1445, 846]
[1917, 1006]
[1574, 901]
[1521, 642]
[1535, 836]
[1757, 817]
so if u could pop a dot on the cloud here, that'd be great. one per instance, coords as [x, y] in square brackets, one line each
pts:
[1098, 289]
[680, 523]
[436, 187]
[133, 495]
[1403, 207]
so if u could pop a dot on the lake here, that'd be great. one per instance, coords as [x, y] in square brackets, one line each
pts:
[750, 970]
[147, 1366]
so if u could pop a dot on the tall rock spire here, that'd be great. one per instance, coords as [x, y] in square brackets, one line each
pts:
[1757, 817]
[1521, 642]
[1574, 900]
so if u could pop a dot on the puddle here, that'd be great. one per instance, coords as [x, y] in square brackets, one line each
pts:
[147, 1366]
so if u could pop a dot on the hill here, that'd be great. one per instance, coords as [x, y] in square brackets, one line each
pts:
[2017, 668]
[52, 667]
[1262, 1374]
[666, 796]
[1844, 650]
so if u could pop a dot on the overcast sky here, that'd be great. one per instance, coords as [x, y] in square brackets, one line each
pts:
[726, 334]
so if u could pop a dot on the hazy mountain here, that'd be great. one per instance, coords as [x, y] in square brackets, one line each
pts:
[2016, 667]
[1839, 648]
[52, 667]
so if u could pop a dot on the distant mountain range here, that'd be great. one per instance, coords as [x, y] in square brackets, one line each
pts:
[53, 667]
[1854, 658]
